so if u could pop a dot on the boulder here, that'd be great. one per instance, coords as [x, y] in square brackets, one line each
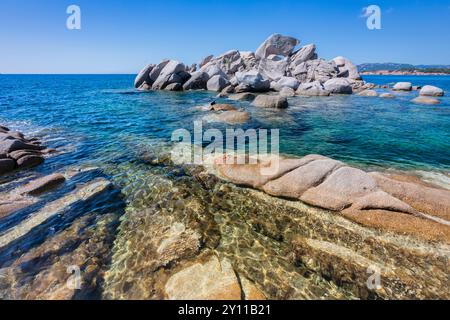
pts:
[338, 85]
[154, 74]
[8, 146]
[211, 280]
[312, 89]
[346, 68]
[273, 69]
[4, 129]
[217, 83]
[249, 59]
[289, 82]
[16, 155]
[205, 60]
[368, 93]
[246, 96]
[306, 53]
[197, 81]
[180, 77]
[252, 81]
[403, 86]
[270, 101]
[29, 161]
[229, 117]
[425, 100]
[172, 67]
[387, 95]
[145, 87]
[226, 91]
[42, 185]
[230, 62]
[431, 91]
[287, 92]
[278, 45]
[143, 76]
[6, 165]
[213, 69]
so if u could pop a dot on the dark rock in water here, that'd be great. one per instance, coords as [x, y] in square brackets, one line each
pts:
[29, 161]
[174, 87]
[16, 155]
[143, 76]
[7, 146]
[43, 184]
[6, 165]
[197, 81]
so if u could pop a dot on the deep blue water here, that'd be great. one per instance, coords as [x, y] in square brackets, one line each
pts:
[102, 118]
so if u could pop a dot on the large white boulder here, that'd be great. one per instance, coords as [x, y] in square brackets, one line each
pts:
[431, 91]
[277, 44]
[306, 53]
[338, 85]
[273, 69]
[217, 83]
[403, 86]
[253, 81]
[172, 67]
[315, 70]
[143, 76]
[346, 68]
[289, 82]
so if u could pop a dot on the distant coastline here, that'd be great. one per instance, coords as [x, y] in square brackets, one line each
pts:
[402, 73]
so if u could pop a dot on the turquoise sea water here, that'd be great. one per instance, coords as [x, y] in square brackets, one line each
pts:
[101, 118]
[102, 122]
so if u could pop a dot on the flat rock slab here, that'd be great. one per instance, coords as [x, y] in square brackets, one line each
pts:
[212, 280]
[42, 185]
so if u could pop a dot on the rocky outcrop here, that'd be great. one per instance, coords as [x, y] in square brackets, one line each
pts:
[274, 61]
[18, 152]
[332, 185]
[387, 95]
[431, 91]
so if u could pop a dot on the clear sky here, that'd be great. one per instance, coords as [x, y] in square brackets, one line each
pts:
[121, 36]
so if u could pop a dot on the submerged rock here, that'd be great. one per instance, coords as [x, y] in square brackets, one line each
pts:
[425, 100]
[213, 280]
[43, 184]
[230, 117]
[246, 96]
[368, 93]
[387, 95]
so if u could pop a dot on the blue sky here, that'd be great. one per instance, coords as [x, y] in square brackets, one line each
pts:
[122, 36]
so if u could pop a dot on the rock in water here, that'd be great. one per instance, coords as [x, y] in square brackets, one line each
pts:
[425, 100]
[143, 76]
[198, 81]
[403, 86]
[230, 117]
[387, 95]
[42, 185]
[6, 165]
[338, 85]
[431, 91]
[212, 280]
[172, 67]
[278, 45]
[268, 101]
[289, 82]
[368, 93]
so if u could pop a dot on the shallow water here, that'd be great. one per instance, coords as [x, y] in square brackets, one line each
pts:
[101, 121]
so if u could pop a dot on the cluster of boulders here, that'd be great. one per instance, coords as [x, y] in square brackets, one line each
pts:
[427, 94]
[275, 66]
[18, 152]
